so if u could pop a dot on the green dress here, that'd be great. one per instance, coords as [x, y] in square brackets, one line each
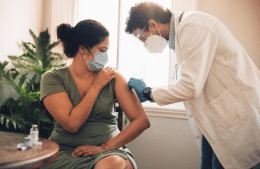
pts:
[100, 126]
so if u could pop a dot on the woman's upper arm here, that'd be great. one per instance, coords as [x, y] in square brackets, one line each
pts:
[56, 99]
[128, 99]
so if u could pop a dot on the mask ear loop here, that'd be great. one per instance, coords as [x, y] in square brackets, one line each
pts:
[160, 35]
[92, 52]
[159, 32]
[150, 33]
[85, 57]
[150, 30]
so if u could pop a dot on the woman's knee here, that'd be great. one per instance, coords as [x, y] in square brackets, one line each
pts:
[111, 162]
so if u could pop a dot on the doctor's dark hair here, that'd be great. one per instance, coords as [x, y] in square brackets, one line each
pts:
[141, 13]
[87, 33]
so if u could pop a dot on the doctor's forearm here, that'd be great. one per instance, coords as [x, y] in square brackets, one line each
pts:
[174, 93]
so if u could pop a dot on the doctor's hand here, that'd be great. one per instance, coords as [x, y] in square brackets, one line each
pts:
[139, 86]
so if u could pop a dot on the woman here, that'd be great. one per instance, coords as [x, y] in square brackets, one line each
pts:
[80, 97]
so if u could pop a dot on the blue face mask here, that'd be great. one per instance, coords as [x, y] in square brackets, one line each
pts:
[100, 60]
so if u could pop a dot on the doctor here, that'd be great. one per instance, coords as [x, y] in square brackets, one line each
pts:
[217, 81]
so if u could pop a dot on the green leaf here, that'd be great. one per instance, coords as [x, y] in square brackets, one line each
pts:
[56, 54]
[15, 119]
[12, 57]
[3, 65]
[28, 61]
[15, 75]
[31, 32]
[28, 49]
[29, 43]
[31, 82]
[22, 79]
[30, 97]
[19, 65]
[13, 102]
[52, 45]
[7, 123]
[10, 81]
[27, 55]
[2, 119]
[45, 128]
[45, 119]
[52, 59]
[14, 124]
[126, 120]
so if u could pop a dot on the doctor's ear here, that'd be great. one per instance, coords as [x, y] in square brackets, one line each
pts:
[153, 24]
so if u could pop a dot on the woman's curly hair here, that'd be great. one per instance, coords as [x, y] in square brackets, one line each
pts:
[141, 13]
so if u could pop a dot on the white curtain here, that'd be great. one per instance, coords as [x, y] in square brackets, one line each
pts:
[63, 11]
[184, 5]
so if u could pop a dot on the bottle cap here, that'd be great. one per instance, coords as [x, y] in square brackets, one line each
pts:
[34, 125]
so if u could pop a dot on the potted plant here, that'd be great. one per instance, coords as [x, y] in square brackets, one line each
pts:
[17, 115]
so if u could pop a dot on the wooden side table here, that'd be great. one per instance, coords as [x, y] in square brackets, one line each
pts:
[34, 157]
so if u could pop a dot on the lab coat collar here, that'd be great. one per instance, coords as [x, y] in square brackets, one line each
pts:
[173, 26]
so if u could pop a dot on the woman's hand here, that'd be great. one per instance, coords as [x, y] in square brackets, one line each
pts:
[104, 77]
[87, 150]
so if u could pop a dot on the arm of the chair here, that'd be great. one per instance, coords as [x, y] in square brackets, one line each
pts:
[120, 115]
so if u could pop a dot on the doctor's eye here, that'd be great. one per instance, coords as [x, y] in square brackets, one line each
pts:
[142, 37]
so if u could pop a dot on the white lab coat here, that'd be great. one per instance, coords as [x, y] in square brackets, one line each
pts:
[220, 85]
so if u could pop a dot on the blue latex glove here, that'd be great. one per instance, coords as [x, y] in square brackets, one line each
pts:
[139, 86]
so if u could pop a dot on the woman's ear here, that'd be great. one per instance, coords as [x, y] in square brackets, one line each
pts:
[82, 50]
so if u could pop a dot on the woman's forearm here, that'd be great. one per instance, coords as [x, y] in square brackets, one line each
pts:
[133, 130]
[81, 112]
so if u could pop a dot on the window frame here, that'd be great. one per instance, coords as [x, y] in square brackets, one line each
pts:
[152, 108]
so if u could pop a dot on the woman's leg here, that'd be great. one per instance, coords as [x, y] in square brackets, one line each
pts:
[113, 161]
[206, 155]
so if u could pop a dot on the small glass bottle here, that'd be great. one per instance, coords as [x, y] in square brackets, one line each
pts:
[34, 133]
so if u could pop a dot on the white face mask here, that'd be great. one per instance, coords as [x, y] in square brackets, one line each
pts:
[155, 43]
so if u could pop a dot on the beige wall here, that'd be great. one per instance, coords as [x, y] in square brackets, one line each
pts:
[242, 17]
[46, 14]
[167, 144]
[16, 18]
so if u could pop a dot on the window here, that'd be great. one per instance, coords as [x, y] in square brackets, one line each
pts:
[126, 52]
[105, 12]
[134, 59]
